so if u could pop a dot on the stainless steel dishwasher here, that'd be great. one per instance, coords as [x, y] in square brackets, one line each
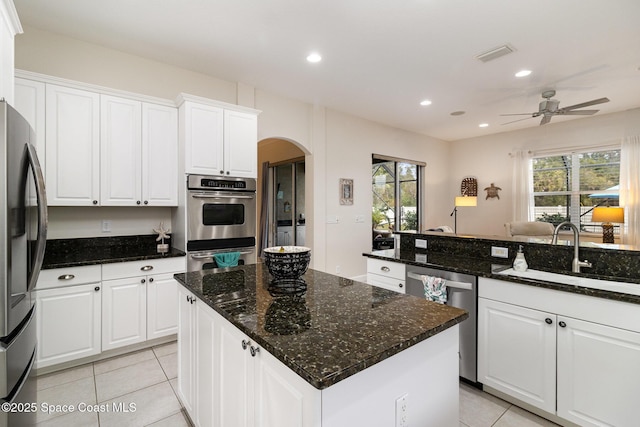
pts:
[462, 292]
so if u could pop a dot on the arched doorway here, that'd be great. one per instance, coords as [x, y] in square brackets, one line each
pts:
[281, 193]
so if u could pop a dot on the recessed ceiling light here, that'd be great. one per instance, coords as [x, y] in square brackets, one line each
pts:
[483, 125]
[523, 73]
[457, 113]
[314, 57]
[425, 102]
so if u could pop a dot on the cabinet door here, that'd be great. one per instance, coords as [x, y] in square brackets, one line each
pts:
[29, 101]
[120, 148]
[282, 398]
[236, 379]
[240, 144]
[517, 352]
[207, 359]
[68, 325]
[203, 134]
[73, 146]
[124, 314]
[159, 155]
[186, 346]
[598, 374]
[162, 306]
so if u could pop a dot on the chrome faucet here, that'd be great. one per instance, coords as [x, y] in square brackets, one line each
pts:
[576, 264]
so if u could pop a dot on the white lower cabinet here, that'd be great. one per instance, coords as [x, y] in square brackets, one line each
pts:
[68, 325]
[224, 379]
[139, 307]
[574, 357]
[387, 275]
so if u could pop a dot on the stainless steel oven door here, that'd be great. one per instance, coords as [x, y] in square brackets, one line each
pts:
[204, 260]
[220, 215]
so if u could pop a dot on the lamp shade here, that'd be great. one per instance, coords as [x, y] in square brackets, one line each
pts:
[608, 214]
[466, 201]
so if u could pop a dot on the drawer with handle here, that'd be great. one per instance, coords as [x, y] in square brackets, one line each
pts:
[71, 276]
[121, 270]
[394, 270]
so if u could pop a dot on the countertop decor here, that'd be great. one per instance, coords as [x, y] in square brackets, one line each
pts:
[62, 253]
[331, 330]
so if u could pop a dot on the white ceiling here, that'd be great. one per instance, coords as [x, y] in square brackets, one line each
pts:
[382, 57]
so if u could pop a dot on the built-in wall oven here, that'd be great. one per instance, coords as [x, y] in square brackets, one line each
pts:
[221, 217]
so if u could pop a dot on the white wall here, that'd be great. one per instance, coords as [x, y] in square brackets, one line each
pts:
[339, 145]
[487, 158]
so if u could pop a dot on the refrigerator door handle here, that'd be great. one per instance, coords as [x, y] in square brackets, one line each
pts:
[42, 215]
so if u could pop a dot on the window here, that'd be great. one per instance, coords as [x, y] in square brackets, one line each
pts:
[396, 187]
[568, 187]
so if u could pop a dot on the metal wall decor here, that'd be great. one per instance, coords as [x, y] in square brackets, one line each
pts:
[346, 191]
[492, 191]
[469, 186]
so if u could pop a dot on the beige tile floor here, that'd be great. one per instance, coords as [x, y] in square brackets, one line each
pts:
[147, 379]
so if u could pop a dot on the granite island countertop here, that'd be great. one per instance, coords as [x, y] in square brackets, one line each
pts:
[333, 329]
[64, 253]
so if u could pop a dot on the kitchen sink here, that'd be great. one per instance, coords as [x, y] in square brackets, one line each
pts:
[585, 282]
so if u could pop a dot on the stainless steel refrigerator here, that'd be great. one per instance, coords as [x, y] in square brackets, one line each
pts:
[23, 232]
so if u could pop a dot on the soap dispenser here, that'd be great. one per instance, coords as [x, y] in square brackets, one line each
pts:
[520, 264]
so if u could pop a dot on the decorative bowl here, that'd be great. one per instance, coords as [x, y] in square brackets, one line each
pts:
[287, 262]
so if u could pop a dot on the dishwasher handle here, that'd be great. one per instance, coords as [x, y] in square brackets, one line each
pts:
[448, 283]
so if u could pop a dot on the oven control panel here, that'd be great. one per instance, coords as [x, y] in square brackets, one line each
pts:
[201, 182]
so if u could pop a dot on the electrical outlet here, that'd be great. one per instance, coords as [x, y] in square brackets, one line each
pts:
[421, 258]
[499, 252]
[401, 411]
[106, 226]
[337, 269]
[421, 243]
[359, 218]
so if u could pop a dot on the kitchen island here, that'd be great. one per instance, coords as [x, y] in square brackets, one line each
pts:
[327, 351]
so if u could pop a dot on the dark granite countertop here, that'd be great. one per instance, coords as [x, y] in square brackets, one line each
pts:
[484, 267]
[334, 328]
[63, 253]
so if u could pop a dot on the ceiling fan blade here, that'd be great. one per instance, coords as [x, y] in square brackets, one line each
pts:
[546, 119]
[586, 104]
[518, 114]
[519, 120]
[577, 112]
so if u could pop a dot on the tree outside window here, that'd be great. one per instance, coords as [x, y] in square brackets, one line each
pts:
[568, 187]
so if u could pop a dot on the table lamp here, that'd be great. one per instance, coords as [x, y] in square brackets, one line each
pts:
[607, 215]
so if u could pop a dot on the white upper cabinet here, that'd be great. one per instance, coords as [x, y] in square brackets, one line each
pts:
[120, 151]
[218, 139]
[159, 155]
[240, 144]
[139, 148]
[72, 146]
[9, 27]
[29, 101]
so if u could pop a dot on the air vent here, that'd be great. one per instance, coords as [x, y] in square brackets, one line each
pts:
[495, 53]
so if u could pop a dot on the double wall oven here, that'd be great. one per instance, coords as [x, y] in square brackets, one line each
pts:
[221, 218]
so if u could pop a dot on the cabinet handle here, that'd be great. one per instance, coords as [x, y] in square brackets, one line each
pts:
[137, 202]
[95, 202]
[66, 277]
[146, 202]
[221, 172]
[150, 279]
[245, 344]
[142, 280]
[562, 324]
[254, 350]
[97, 288]
[400, 285]
[227, 172]
[146, 268]
[385, 269]
[548, 321]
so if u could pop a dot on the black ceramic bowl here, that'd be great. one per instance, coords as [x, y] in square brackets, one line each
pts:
[287, 262]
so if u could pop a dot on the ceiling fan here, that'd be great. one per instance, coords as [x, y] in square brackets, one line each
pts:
[549, 108]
